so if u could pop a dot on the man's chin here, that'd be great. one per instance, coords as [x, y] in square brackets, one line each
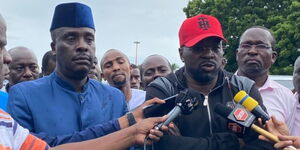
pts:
[80, 74]
[254, 71]
[119, 83]
[205, 77]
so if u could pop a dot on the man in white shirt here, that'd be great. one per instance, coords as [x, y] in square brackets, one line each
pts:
[116, 68]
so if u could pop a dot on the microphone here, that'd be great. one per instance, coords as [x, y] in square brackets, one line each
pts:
[245, 118]
[156, 110]
[185, 104]
[251, 105]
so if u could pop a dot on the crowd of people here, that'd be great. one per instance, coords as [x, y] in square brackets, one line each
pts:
[66, 105]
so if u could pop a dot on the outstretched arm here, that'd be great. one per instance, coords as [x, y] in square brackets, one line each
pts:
[122, 139]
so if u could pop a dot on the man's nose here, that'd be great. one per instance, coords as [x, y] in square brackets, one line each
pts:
[134, 80]
[157, 74]
[252, 50]
[208, 53]
[27, 73]
[116, 66]
[82, 45]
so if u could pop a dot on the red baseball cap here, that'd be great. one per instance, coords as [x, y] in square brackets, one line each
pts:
[199, 27]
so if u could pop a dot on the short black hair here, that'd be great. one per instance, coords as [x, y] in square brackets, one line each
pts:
[133, 66]
[47, 56]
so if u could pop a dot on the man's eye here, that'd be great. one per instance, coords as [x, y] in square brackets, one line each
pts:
[33, 68]
[19, 68]
[107, 66]
[90, 40]
[163, 70]
[148, 73]
[216, 49]
[70, 38]
[246, 46]
[260, 46]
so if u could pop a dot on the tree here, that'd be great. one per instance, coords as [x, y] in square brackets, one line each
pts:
[174, 66]
[281, 16]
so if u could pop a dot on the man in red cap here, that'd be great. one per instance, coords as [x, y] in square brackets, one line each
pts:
[201, 51]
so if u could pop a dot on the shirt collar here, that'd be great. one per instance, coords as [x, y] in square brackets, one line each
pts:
[65, 84]
[269, 84]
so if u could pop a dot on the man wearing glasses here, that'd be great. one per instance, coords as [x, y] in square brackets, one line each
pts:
[255, 56]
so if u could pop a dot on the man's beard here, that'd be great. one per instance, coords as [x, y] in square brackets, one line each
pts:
[119, 83]
[204, 77]
[80, 75]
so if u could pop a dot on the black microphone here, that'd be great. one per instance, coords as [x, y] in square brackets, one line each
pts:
[156, 110]
[251, 105]
[186, 102]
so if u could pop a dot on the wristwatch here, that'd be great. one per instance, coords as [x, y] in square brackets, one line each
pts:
[130, 118]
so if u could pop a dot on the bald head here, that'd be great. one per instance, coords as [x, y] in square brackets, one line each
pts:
[24, 65]
[152, 58]
[21, 52]
[111, 52]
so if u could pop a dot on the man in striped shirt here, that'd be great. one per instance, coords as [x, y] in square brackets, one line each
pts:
[15, 137]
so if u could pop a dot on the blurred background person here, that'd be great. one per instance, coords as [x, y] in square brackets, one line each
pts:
[48, 63]
[95, 72]
[154, 66]
[135, 77]
[23, 67]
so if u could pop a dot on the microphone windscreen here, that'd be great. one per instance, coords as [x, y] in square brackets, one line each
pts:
[222, 110]
[244, 99]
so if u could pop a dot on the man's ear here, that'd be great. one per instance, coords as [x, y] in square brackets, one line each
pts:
[274, 56]
[53, 47]
[181, 53]
[236, 55]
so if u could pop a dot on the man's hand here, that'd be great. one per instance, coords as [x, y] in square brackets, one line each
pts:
[145, 127]
[287, 141]
[275, 127]
[139, 113]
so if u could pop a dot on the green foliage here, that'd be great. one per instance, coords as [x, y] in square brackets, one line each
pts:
[174, 66]
[281, 16]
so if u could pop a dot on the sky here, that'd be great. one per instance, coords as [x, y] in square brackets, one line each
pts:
[154, 23]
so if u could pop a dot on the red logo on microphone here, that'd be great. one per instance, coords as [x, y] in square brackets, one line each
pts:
[234, 127]
[240, 114]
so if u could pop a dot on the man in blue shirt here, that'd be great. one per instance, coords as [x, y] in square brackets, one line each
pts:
[67, 101]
